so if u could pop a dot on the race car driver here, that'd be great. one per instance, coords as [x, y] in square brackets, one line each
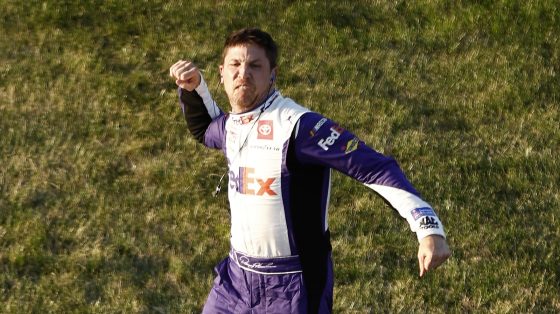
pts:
[280, 157]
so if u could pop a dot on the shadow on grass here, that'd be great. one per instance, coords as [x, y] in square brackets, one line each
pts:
[147, 276]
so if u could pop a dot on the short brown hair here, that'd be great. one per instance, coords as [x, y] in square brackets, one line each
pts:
[253, 36]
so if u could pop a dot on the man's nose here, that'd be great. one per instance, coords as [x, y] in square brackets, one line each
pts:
[244, 71]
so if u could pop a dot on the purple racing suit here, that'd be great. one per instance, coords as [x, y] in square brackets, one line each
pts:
[280, 157]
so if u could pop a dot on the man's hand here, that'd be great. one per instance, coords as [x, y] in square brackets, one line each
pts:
[186, 75]
[432, 252]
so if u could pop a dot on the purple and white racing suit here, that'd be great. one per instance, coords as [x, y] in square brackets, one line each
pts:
[280, 157]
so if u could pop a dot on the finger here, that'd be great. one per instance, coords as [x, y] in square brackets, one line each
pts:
[428, 263]
[178, 68]
[188, 75]
[174, 67]
[421, 265]
[184, 66]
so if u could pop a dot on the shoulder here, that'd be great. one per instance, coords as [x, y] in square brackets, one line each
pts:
[285, 113]
[311, 122]
[287, 107]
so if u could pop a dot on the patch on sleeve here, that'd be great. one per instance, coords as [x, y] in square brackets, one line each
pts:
[317, 127]
[351, 146]
[326, 143]
[421, 212]
[428, 222]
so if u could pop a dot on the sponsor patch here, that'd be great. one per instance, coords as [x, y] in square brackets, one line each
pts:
[243, 120]
[317, 126]
[421, 212]
[246, 119]
[351, 146]
[265, 147]
[326, 143]
[428, 222]
[265, 130]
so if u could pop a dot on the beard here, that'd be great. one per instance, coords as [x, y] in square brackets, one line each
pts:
[244, 97]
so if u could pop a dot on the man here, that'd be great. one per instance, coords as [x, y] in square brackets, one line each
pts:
[279, 157]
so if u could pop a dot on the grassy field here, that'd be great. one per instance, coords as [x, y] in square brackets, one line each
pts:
[105, 200]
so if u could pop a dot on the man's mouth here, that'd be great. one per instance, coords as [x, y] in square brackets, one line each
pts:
[243, 86]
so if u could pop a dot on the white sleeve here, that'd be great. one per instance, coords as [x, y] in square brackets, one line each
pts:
[211, 106]
[419, 214]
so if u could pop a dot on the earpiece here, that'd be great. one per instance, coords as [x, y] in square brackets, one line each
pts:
[273, 77]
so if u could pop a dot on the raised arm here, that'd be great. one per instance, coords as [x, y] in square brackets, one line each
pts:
[199, 109]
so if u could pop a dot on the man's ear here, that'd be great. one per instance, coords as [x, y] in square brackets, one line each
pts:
[273, 75]
[221, 68]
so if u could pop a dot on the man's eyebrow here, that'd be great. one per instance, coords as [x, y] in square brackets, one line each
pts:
[251, 61]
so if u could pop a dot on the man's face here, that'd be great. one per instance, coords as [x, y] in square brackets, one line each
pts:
[247, 76]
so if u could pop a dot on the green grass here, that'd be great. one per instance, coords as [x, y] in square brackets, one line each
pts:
[105, 200]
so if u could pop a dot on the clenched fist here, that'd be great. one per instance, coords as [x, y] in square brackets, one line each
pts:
[186, 75]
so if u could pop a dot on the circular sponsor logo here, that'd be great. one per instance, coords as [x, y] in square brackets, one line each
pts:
[265, 129]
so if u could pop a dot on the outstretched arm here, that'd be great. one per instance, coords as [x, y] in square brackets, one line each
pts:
[321, 141]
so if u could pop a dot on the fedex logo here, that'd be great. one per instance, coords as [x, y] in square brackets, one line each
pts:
[326, 143]
[246, 182]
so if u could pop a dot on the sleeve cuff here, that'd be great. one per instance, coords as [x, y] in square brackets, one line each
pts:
[427, 228]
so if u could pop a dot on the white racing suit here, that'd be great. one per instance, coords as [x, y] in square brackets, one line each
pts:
[280, 157]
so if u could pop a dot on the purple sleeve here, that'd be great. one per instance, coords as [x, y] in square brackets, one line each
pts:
[321, 141]
[215, 135]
